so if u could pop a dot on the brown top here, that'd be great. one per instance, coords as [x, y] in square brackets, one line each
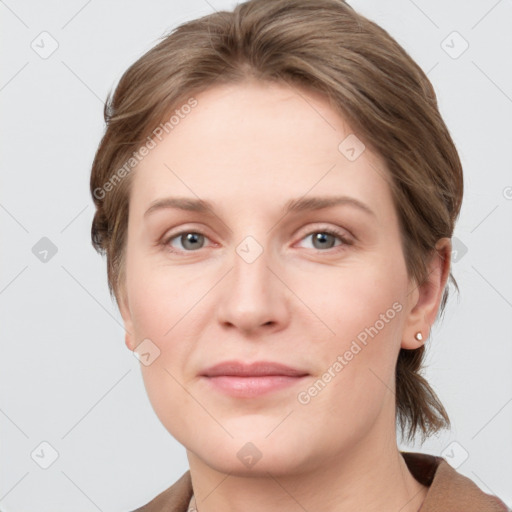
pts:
[449, 491]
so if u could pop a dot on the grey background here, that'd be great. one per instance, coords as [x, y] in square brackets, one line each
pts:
[67, 378]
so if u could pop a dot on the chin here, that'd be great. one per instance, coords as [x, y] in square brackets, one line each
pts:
[268, 465]
[254, 455]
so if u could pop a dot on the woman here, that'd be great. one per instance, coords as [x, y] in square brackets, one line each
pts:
[299, 148]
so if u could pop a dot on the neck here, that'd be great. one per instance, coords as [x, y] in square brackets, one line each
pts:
[370, 476]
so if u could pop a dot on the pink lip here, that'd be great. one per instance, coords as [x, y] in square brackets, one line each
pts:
[256, 369]
[248, 380]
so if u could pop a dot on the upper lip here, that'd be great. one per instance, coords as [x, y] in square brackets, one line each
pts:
[255, 369]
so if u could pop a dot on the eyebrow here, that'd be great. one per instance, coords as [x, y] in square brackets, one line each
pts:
[294, 205]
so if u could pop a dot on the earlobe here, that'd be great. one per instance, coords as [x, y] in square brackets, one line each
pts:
[413, 342]
[430, 293]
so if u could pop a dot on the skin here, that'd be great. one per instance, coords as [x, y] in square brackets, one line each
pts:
[249, 148]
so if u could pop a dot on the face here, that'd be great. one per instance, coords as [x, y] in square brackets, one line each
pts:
[322, 290]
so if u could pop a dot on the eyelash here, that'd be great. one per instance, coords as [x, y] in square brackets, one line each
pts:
[325, 230]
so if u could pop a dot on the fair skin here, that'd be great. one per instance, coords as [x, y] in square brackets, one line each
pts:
[249, 149]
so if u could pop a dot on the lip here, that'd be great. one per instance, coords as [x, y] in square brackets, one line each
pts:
[243, 380]
[255, 369]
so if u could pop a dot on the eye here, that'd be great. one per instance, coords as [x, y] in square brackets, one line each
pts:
[190, 241]
[324, 238]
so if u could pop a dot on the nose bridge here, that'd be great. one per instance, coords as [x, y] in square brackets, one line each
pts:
[253, 295]
[251, 274]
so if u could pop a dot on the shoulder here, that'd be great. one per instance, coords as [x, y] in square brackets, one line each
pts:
[174, 499]
[448, 489]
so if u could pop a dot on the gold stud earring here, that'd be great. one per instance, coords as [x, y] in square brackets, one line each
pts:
[418, 336]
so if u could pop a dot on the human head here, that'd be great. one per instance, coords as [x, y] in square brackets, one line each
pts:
[324, 47]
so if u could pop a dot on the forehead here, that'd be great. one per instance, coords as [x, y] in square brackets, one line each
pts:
[259, 141]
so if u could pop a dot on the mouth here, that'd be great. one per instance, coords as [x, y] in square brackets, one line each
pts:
[242, 380]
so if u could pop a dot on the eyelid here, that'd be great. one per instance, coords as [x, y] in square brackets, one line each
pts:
[322, 227]
[170, 235]
[340, 233]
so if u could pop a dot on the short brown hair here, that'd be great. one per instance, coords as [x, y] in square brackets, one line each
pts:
[318, 45]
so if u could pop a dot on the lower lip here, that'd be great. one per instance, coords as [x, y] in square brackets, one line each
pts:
[247, 387]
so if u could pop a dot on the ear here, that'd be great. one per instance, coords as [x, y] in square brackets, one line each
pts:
[427, 295]
[124, 309]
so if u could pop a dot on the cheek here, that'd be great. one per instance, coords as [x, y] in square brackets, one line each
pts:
[162, 303]
[352, 300]
[359, 337]
[358, 376]
[159, 314]
[158, 296]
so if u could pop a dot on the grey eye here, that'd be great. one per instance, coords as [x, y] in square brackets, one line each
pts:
[323, 240]
[190, 241]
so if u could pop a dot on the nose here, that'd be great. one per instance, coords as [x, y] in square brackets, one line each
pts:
[254, 296]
